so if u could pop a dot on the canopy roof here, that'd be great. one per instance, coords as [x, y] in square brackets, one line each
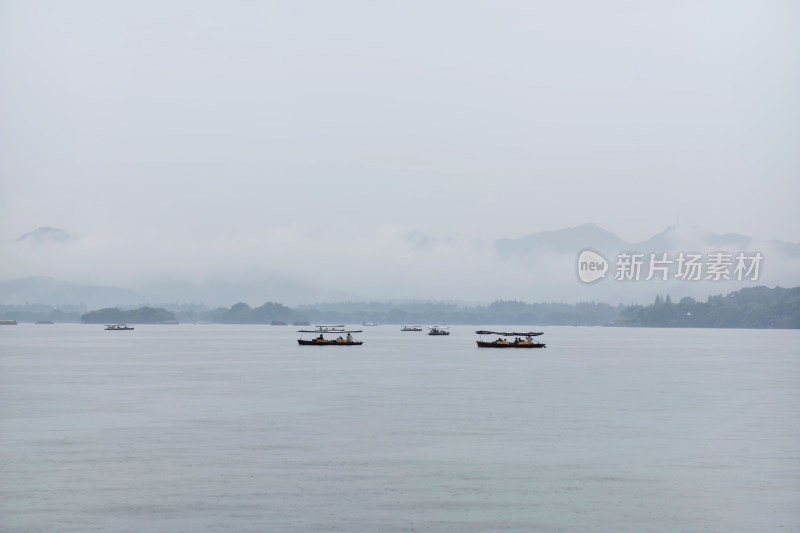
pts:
[330, 331]
[510, 333]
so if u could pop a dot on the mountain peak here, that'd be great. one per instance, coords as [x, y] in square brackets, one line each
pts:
[567, 240]
[44, 235]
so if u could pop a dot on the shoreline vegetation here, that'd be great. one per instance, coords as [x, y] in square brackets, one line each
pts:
[751, 307]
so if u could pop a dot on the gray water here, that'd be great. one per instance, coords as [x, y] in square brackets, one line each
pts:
[200, 428]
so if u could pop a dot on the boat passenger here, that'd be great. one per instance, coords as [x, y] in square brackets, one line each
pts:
[349, 338]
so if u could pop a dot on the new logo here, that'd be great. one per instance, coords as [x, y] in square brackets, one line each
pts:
[591, 266]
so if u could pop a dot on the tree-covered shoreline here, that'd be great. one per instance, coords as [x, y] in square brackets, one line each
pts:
[143, 315]
[752, 307]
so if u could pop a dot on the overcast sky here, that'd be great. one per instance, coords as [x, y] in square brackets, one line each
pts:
[190, 119]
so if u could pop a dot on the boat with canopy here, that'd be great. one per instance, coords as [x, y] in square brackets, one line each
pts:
[344, 338]
[521, 339]
[329, 329]
[118, 327]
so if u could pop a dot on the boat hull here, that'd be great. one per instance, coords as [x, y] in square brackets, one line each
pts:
[303, 342]
[483, 344]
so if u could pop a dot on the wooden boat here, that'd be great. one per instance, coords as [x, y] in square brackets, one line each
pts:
[320, 340]
[118, 327]
[436, 330]
[521, 340]
[411, 328]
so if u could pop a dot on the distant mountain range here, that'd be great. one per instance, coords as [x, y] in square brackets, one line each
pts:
[51, 291]
[538, 267]
[44, 290]
[675, 238]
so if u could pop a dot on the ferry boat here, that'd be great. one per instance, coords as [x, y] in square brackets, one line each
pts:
[521, 340]
[436, 330]
[320, 340]
[118, 327]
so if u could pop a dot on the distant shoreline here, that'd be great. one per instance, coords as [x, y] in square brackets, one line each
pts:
[748, 308]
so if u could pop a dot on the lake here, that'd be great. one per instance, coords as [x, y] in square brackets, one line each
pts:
[201, 428]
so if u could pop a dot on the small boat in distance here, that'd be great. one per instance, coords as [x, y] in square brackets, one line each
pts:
[411, 328]
[320, 340]
[330, 329]
[521, 340]
[369, 324]
[118, 327]
[8, 322]
[436, 330]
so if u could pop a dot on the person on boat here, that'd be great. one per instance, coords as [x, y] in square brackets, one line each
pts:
[349, 338]
[320, 338]
[339, 339]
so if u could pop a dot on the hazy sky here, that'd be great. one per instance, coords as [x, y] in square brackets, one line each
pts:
[164, 122]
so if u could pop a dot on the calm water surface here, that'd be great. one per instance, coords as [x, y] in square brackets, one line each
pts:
[200, 428]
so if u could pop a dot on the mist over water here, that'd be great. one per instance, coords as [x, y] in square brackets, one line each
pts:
[298, 147]
[203, 428]
[296, 266]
